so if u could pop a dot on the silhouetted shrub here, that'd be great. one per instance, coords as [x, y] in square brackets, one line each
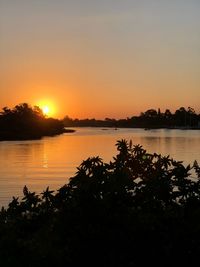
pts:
[139, 208]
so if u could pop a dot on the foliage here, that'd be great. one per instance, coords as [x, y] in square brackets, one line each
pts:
[137, 209]
[25, 122]
[182, 118]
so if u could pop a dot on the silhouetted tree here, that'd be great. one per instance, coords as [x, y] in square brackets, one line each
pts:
[25, 122]
[151, 118]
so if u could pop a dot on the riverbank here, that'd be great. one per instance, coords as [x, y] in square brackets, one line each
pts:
[18, 135]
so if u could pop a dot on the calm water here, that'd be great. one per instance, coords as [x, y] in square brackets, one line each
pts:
[52, 160]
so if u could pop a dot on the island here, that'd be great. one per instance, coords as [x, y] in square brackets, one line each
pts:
[24, 122]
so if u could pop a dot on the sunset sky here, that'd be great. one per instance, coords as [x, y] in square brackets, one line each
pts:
[100, 58]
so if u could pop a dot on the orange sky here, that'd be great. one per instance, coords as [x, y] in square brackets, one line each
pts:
[100, 58]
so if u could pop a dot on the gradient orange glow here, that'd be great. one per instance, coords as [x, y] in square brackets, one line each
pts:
[48, 108]
[100, 58]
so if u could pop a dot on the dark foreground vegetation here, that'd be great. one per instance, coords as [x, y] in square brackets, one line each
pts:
[181, 118]
[24, 122]
[140, 208]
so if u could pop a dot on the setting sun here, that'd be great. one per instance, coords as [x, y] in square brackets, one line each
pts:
[47, 107]
[46, 110]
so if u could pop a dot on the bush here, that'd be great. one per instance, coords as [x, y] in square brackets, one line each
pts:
[137, 209]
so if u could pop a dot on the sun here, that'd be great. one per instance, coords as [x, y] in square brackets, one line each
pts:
[47, 107]
[46, 110]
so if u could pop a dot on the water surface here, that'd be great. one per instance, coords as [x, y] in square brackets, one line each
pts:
[52, 160]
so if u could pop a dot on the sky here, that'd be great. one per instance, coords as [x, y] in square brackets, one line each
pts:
[108, 58]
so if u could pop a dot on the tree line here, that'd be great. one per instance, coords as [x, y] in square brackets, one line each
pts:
[181, 118]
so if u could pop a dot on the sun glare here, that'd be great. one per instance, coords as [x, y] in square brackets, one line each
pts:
[47, 107]
[46, 110]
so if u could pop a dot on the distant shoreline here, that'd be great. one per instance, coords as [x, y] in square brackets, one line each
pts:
[145, 128]
[182, 118]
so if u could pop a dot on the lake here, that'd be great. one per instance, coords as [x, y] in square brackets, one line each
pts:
[52, 160]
